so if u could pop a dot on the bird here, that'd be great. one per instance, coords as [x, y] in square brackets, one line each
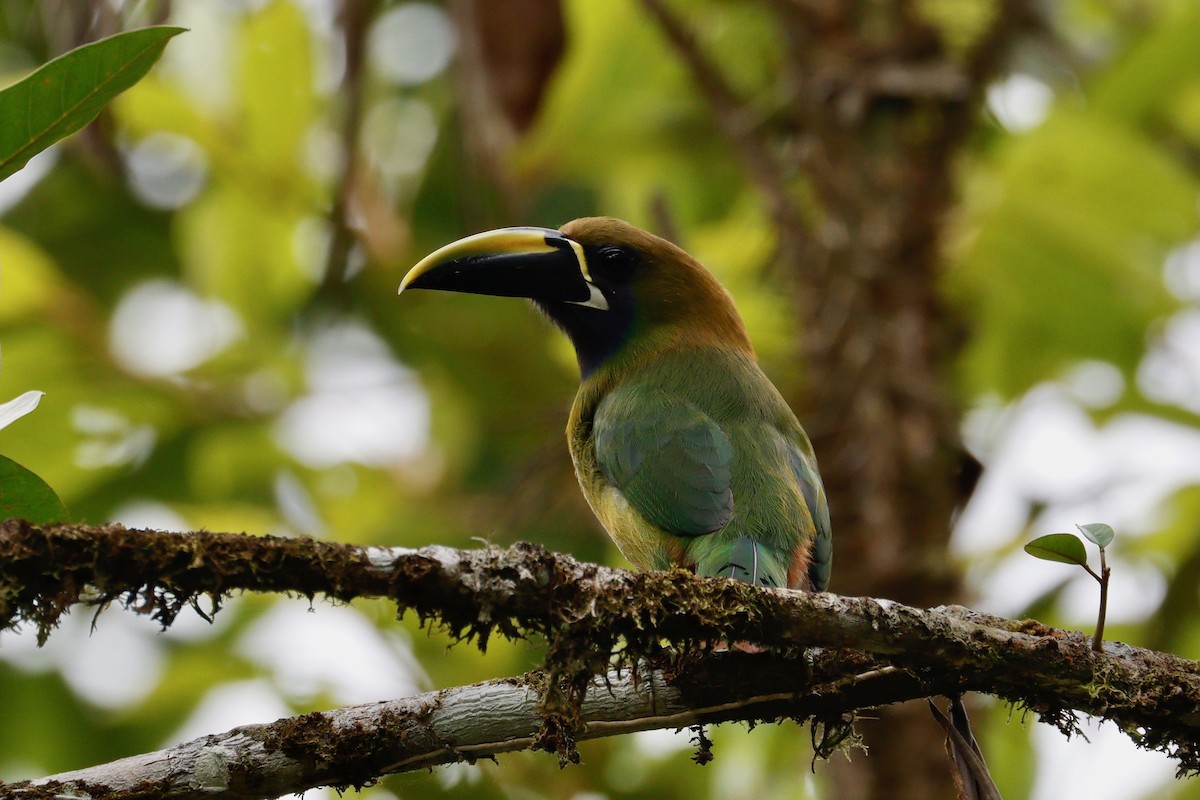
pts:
[686, 452]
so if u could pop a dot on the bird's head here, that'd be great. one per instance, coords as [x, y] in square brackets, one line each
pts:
[609, 285]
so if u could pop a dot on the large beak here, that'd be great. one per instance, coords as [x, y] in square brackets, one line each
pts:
[538, 263]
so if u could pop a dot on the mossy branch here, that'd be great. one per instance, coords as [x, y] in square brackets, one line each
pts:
[871, 652]
[351, 747]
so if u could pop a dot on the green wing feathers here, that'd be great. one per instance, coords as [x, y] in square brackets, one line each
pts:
[744, 559]
[723, 487]
[820, 555]
[668, 459]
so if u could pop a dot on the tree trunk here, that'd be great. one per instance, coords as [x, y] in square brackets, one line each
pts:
[882, 109]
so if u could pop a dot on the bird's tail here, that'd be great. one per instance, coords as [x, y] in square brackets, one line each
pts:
[744, 559]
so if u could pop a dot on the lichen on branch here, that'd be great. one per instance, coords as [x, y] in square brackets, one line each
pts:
[591, 615]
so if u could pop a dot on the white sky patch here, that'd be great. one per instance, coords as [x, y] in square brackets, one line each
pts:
[202, 61]
[1135, 592]
[115, 666]
[1020, 102]
[1170, 370]
[1007, 588]
[399, 135]
[411, 43]
[162, 328]
[1182, 271]
[14, 188]
[149, 515]
[296, 505]
[166, 170]
[663, 742]
[1105, 767]
[229, 705]
[110, 439]
[362, 405]
[1046, 449]
[119, 664]
[331, 650]
[458, 773]
[1097, 384]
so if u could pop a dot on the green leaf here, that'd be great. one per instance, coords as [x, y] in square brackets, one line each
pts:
[1064, 547]
[1155, 72]
[1098, 532]
[67, 93]
[25, 495]
[1047, 225]
[279, 104]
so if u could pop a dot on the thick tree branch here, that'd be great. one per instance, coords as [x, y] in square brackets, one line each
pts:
[585, 610]
[352, 746]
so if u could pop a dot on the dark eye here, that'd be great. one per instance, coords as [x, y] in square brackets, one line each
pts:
[616, 261]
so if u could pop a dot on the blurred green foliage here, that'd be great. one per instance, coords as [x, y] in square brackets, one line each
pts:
[56, 100]
[162, 283]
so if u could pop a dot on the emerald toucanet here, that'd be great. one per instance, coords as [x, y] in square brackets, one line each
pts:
[684, 449]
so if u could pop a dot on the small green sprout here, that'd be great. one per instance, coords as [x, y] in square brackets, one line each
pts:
[1067, 548]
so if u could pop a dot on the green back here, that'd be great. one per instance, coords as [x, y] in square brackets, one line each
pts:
[669, 459]
[703, 448]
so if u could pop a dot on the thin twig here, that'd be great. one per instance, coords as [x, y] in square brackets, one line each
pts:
[355, 17]
[734, 120]
[1098, 637]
